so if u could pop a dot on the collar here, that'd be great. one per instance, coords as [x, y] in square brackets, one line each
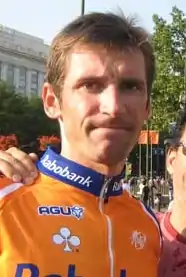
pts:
[76, 175]
[168, 230]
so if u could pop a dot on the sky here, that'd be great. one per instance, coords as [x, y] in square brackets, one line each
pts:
[44, 18]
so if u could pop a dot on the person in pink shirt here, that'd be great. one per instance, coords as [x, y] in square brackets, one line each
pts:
[18, 166]
[173, 222]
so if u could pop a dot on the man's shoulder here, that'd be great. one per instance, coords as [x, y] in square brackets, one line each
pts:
[10, 191]
[148, 213]
[7, 189]
[6, 182]
[147, 218]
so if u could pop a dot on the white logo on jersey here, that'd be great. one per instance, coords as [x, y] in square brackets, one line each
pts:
[64, 172]
[116, 186]
[138, 240]
[66, 239]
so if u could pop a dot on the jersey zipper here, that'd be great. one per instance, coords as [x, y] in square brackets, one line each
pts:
[102, 198]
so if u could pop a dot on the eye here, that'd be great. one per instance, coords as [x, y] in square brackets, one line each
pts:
[128, 86]
[125, 86]
[92, 86]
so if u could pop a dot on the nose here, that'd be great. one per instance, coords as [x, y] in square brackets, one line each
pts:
[110, 101]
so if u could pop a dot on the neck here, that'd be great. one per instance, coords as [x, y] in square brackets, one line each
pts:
[108, 170]
[178, 218]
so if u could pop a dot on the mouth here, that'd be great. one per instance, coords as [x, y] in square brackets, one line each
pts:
[128, 128]
[112, 130]
[111, 126]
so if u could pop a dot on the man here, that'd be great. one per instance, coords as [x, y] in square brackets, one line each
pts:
[99, 78]
[145, 193]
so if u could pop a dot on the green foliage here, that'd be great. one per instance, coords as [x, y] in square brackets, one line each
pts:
[23, 117]
[169, 40]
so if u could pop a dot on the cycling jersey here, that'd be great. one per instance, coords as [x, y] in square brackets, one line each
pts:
[75, 222]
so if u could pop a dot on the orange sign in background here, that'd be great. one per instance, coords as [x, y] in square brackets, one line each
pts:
[143, 138]
[153, 137]
[148, 136]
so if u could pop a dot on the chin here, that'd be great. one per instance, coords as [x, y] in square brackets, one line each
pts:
[109, 156]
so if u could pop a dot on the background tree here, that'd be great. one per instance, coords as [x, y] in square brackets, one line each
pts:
[12, 110]
[37, 123]
[169, 40]
[23, 117]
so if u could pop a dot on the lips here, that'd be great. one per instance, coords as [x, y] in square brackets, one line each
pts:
[112, 130]
[111, 123]
[116, 127]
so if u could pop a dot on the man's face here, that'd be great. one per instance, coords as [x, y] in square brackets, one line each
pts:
[104, 103]
[176, 166]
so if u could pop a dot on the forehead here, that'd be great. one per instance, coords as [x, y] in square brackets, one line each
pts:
[84, 62]
[177, 141]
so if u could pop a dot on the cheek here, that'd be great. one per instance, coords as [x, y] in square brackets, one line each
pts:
[179, 168]
[139, 113]
[75, 113]
[81, 108]
[136, 102]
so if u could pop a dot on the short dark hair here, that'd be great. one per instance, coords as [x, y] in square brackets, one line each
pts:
[174, 140]
[106, 29]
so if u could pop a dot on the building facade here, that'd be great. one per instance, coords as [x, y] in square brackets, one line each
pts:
[22, 61]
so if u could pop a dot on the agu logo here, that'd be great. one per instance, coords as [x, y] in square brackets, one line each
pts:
[23, 269]
[75, 211]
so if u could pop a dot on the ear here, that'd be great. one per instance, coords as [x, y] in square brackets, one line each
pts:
[170, 160]
[51, 103]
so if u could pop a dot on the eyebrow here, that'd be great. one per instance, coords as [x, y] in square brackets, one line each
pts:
[133, 80]
[102, 78]
[87, 78]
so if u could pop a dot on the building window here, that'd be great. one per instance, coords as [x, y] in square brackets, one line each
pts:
[22, 79]
[34, 82]
[42, 79]
[41, 82]
[0, 70]
[10, 75]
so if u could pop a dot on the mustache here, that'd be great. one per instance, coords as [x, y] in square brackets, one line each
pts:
[111, 122]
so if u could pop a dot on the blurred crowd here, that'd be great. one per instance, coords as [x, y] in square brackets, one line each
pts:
[154, 192]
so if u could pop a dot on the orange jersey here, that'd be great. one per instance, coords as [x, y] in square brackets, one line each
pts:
[74, 222]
